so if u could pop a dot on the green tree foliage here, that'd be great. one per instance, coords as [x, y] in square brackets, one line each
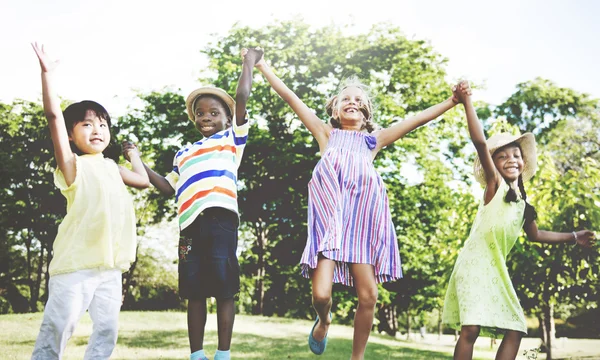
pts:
[30, 206]
[540, 105]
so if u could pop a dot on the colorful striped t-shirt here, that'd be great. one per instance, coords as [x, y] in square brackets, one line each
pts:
[205, 173]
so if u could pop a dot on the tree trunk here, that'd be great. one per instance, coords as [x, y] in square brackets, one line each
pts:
[550, 329]
[439, 325]
[47, 273]
[542, 325]
[259, 295]
[408, 324]
[127, 281]
[35, 291]
[387, 320]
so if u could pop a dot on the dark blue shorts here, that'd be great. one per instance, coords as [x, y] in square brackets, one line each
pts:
[208, 264]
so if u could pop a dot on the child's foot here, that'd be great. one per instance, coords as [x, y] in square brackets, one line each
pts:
[317, 339]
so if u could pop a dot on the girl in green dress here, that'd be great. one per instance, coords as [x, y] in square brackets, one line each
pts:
[480, 294]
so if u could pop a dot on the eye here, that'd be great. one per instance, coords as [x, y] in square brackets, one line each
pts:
[214, 113]
[103, 125]
[199, 113]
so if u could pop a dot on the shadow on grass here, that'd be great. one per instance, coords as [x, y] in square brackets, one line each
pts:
[255, 347]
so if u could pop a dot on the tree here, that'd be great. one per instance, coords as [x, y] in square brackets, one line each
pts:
[539, 105]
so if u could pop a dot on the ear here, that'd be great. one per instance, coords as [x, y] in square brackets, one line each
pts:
[229, 118]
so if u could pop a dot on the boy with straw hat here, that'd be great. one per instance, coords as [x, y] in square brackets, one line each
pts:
[204, 181]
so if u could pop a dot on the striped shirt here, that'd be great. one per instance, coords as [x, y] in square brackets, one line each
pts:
[205, 173]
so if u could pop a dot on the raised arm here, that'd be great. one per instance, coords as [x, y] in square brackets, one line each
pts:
[585, 238]
[65, 158]
[478, 138]
[159, 181]
[249, 58]
[389, 135]
[317, 128]
[137, 178]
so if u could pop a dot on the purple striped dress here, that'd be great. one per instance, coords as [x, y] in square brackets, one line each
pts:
[349, 217]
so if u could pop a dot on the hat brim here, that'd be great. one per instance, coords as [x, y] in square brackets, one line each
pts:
[208, 90]
[528, 150]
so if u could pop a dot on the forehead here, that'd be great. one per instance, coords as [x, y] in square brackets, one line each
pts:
[352, 91]
[91, 115]
[208, 102]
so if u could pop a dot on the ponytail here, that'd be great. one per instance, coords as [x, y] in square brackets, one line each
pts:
[511, 196]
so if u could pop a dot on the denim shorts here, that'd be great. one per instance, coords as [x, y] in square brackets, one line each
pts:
[208, 264]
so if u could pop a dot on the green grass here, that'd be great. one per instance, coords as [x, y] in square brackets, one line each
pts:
[163, 335]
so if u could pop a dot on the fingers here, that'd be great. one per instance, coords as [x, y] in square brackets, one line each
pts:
[244, 52]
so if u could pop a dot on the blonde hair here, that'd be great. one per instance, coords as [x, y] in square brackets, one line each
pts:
[366, 107]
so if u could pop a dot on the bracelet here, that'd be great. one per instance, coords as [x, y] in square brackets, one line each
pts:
[574, 237]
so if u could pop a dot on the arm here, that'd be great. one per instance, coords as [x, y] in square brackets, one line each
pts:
[585, 238]
[244, 87]
[159, 181]
[479, 141]
[317, 128]
[387, 136]
[137, 178]
[65, 159]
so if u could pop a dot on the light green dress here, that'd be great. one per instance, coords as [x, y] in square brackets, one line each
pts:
[480, 291]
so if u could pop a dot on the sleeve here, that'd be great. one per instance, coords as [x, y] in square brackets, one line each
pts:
[61, 183]
[240, 137]
[173, 176]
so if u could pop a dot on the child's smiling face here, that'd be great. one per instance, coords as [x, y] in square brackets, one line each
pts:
[509, 162]
[210, 116]
[91, 135]
[351, 104]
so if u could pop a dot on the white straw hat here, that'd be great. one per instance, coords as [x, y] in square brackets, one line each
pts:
[528, 150]
[208, 90]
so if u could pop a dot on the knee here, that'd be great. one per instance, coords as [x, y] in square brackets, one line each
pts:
[321, 299]
[367, 298]
[469, 333]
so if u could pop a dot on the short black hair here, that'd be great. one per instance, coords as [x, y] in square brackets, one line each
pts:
[75, 113]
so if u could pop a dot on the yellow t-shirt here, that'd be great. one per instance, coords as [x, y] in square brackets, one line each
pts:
[99, 228]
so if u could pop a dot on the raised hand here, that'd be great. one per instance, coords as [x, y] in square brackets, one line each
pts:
[585, 238]
[46, 63]
[253, 55]
[461, 91]
[129, 149]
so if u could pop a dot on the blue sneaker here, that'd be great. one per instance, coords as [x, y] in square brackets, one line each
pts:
[317, 347]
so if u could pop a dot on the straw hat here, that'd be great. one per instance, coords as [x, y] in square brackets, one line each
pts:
[208, 90]
[528, 151]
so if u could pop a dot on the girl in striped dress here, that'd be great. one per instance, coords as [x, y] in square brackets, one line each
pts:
[351, 237]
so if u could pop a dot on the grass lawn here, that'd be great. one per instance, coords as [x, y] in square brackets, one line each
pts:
[163, 335]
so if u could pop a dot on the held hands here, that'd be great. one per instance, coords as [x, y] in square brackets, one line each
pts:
[46, 63]
[252, 55]
[461, 91]
[129, 150]
[585, 238]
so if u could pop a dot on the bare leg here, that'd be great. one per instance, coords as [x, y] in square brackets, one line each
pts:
[196, 322]
[509, 347]
[322, 281]
[466, 341]
[225, 317]
[366, 289]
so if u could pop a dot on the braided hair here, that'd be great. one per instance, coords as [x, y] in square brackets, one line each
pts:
[530, 213]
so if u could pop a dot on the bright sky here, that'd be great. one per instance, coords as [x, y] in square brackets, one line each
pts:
[110, 48]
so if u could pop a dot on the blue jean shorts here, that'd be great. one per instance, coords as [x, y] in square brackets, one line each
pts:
[208, 264]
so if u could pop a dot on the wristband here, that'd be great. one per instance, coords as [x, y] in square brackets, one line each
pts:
[574, 237]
